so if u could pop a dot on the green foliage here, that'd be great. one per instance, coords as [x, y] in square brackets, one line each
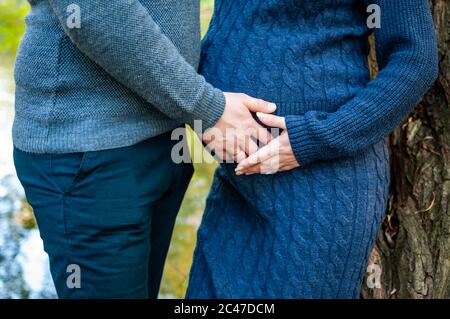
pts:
[179, 259]
[207, 7]
[12, 25]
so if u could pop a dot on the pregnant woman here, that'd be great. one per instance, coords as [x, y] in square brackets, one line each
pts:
[307, 232]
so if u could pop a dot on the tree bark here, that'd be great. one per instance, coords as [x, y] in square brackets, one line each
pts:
[413, 246]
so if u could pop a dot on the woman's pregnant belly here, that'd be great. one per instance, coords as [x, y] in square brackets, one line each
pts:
[339, 186]
[292, 75]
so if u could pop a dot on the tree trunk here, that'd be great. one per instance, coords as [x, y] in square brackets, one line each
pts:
[413, 247]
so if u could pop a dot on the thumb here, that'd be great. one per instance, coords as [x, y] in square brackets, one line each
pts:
[258, 105]
[271, 120]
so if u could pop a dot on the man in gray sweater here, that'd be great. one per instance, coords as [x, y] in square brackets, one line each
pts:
[100, 85]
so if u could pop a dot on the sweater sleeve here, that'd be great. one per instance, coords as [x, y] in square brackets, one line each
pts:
[126, 42]
[408, 63]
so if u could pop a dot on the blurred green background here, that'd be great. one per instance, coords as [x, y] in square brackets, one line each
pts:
[18, 219]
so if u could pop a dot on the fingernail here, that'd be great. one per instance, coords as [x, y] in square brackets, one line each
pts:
[272, 107]
[259, 114]
[239, 173]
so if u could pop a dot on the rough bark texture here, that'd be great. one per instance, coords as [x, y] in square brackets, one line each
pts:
[413, 246]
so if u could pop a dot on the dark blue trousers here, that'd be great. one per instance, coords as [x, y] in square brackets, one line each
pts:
[106, 217]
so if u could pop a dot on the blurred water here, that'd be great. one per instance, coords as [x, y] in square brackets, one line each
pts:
[23, 263]
[24, 269]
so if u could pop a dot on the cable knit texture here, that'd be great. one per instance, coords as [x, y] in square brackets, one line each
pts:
[126, 74]
[307, 233]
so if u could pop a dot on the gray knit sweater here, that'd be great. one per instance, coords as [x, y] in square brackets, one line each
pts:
[127, 72]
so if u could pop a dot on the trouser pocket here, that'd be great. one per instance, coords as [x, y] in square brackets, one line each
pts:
[67, 169]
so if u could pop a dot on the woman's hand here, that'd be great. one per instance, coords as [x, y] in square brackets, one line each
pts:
[277, 156]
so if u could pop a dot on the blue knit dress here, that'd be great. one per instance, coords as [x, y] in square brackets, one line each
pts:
[308, 232]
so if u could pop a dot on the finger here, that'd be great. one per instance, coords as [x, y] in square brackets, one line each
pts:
[271, 165]
[268, 166]
[209, 147]
[262, 134]
[248, 145]
[255, 169]
[235, 150]
[264, 153]
[222, 153]
[258, 157]
[240, 156]
[258, 105]
[219, 156]
[272, 120]
[228, 156]
[258, 132]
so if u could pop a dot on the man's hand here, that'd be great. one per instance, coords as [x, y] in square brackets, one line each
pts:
[277, 156]
[234, 136]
